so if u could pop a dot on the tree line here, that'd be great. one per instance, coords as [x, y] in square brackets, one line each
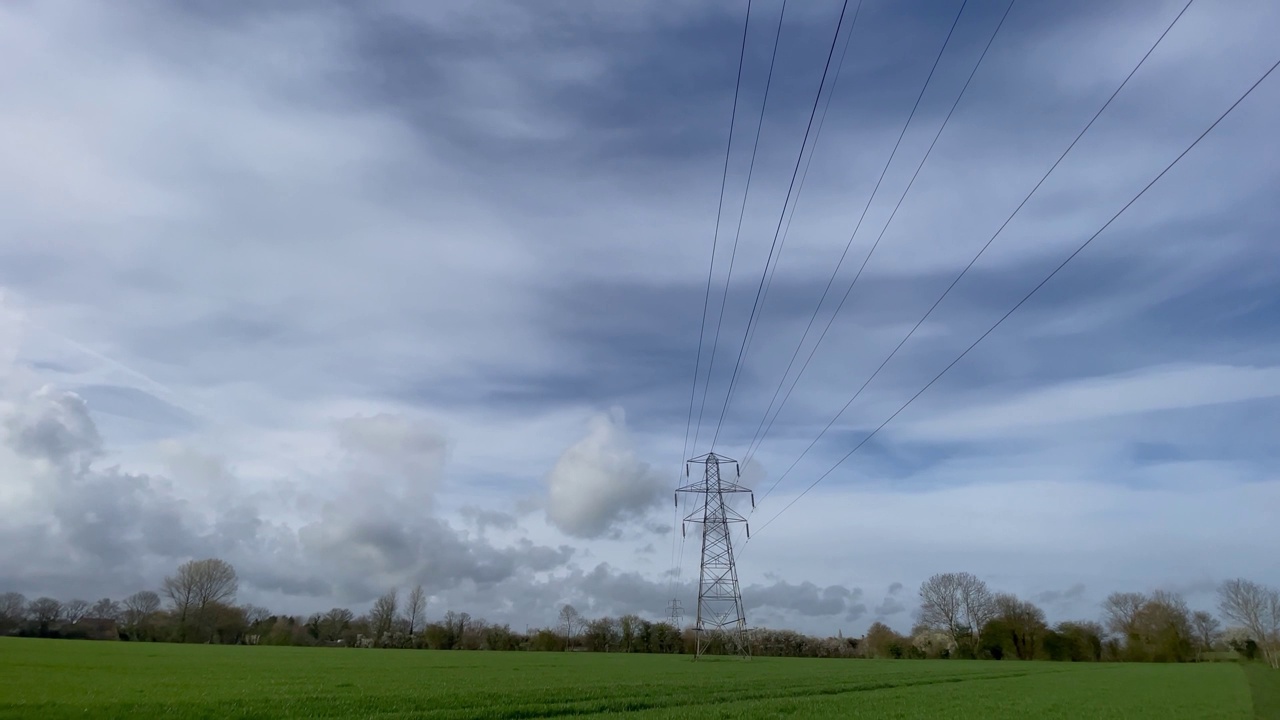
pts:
[959, 617]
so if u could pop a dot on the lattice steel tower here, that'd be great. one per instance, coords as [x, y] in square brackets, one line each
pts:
[721, 618]
[675, 613]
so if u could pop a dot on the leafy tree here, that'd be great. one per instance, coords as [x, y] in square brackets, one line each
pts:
[1075, 642]
[500, 637]
[602, 635]
[546, 640]
[1018, 625]
[1163, 629]
[1151, 628]
[931, 642]
[881, 641]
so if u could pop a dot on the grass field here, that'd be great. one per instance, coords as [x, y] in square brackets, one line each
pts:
[58, 679]
[1265, 685]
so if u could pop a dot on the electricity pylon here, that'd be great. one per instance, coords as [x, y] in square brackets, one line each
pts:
[675, 613]
[720, 612]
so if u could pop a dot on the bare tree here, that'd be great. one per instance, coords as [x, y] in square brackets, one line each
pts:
[197, 588]
[334, 623]
[1206, 627]
[107, 609]
[464, 624]
[254, 614]
[959, 604]
[139, 607]
[570, 619]
[940, 604]
[415, 608]
[978, 604]
[74, 610]
[13, 610]
[1257, 608]
[44, 611]
[1121, 610]
[382, 617]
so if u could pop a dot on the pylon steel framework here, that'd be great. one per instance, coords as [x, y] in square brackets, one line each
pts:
[720, 613]
[675, 613]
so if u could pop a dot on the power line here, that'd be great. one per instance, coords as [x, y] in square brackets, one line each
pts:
[786, 231]
[1034, 290]
[724, 299]
[715, 238]
[693, 391]
[778, 231]
[817, 136]
[758, 438]
[983, 249]
[746, 193]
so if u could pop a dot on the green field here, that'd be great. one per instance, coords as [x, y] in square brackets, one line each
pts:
[56, 679]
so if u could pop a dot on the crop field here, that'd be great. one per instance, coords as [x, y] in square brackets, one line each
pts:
[57, 679]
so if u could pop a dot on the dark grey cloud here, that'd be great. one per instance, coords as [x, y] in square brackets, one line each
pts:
[55, 427]
[1053, 597]
[889, 607]
[894, 602]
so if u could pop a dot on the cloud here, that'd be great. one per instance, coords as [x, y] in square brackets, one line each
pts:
[598, 483]
[888, 608]
[806, 599]
[55, 427]
[70, 522]
[892, 604]
[1147, 390]
[12, 329]
[324, 276]
[406, 456]
[484, 519]
[1053, 598]
[367, 526]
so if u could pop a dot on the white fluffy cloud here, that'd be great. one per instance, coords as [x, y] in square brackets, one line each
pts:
[599, 483]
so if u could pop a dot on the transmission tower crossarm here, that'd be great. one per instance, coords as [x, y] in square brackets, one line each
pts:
[720, 615]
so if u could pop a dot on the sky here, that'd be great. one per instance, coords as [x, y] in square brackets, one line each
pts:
[357, 296]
